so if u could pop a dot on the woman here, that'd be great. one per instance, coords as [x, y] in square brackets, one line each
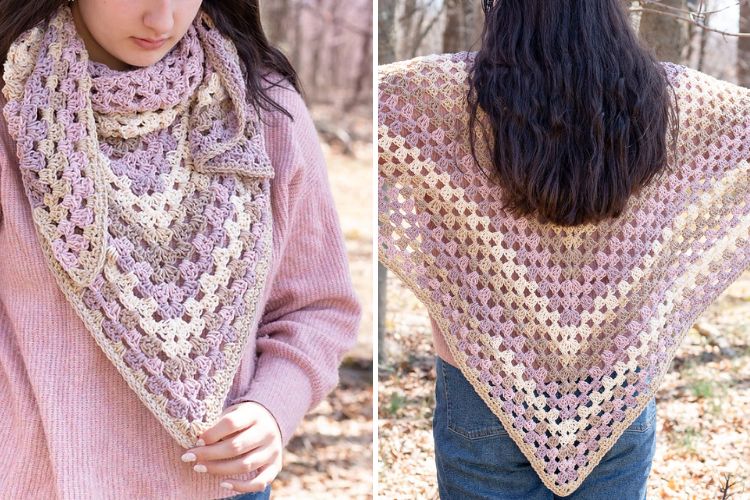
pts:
[175, 291]
[565, 206]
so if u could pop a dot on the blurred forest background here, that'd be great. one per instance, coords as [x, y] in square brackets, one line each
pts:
[703, 405]
[410, 28]
[329, 43]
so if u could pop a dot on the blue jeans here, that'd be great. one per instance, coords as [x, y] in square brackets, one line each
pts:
[255, 495]
[476, 459]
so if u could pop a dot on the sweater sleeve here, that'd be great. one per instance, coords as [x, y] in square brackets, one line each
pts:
[7, 156]
[312, 313]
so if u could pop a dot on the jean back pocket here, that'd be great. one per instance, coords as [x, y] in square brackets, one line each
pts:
[466, 412]
[646, 419]
[469, 416]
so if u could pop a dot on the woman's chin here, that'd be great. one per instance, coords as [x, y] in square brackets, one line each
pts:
[142, 58]
[141, 62]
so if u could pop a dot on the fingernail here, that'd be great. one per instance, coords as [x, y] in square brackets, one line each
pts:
[200, 442]
[227, 486]
[199, 468]
[188, 457]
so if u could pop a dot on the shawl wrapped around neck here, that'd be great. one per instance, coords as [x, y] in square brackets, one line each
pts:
[150, 194]
[565, 332]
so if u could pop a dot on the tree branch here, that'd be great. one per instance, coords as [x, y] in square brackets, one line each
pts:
[697, 18]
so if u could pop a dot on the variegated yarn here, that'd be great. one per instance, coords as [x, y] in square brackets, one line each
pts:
[150, 192]
[565, 332]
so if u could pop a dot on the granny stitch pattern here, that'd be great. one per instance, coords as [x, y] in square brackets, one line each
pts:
[150, 192]
[565, 332]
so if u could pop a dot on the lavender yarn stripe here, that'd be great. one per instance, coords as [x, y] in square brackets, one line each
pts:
[150, 192]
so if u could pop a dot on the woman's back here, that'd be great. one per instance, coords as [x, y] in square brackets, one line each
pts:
[565, 332]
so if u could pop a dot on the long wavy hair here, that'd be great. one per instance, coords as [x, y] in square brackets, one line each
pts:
[239, 20]
[578, 108]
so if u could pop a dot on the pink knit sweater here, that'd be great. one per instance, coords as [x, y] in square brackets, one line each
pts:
[70, 425]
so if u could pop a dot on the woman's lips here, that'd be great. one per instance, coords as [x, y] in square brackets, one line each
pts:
[149, 44]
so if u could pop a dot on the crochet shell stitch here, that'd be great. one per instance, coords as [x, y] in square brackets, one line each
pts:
[150, 194]
[565, 332]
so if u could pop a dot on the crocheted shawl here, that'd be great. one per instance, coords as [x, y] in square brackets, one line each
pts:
[150, 194]
[565, 333]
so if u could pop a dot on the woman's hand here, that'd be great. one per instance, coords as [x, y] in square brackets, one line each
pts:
[246, 437]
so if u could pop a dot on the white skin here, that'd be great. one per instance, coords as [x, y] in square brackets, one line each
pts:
[246, 436]
[107, 28]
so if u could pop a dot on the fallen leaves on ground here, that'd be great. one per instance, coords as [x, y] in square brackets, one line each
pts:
[330, 455]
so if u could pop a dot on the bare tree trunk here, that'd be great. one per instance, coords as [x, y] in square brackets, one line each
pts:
[335, 46]
[386, 26]
[452, 33]
[743, 47]
[365, 71]
[635, 18]
[410, 22]
[668, 36]
[474, 24]
[276, 15]
[416, 23]
[297, 44]
[386, 54]
[319, 44]
[702, 49]
[382, 304]
[692, 33]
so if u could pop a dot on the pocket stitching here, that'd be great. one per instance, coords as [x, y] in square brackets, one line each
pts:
[650, 419]
[500, 429]
[497, 430]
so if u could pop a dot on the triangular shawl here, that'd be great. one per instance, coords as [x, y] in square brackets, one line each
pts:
[565, 333]
[150, 193]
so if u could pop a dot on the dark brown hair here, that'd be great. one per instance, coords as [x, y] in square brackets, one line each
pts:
[239, 20]
[578, 108]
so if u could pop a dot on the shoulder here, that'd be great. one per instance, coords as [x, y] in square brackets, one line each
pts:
[280, 90]
[8, 157]
[425, 72]
[709, 108]
[295, 115]
[291, 140]
[698, 88]
[7, 144]
[430, 88]
[714, 120]
[3, 123]
[295, 122]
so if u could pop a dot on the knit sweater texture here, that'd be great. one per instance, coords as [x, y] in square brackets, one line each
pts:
[111, 365]
[564, 332]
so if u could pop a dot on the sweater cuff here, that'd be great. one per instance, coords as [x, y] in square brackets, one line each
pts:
[284, 389]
